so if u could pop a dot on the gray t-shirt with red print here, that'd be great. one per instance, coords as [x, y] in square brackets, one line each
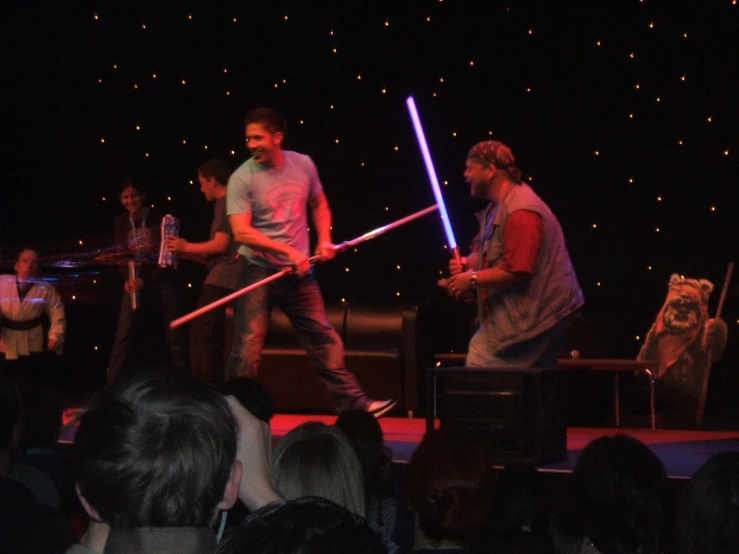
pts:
[277, 200]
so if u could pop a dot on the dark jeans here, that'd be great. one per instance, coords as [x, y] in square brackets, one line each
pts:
[164, 296]
[302, 302]
[207, 338]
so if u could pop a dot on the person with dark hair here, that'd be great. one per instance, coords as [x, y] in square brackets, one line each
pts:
[207, 332]
[24, 301]
[708, 509]
[156, 459]
[527, 290]
[450, 487]
[306, 525]
[268, 197]
[620, 491]
[137, 238]
[386, 514]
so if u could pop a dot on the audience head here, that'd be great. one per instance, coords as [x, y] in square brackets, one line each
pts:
[156, 450]
[302, 526]
[620, 489]
[365, 435]
[450, 485]
[708, 511]
[521, 500]
[317, 460]
[253, 396]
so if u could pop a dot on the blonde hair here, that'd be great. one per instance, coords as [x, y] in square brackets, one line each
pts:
[317, 460]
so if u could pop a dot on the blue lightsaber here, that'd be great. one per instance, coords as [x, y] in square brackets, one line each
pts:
[451, 242]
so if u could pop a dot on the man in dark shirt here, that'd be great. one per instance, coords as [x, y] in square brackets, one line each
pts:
[219, 255]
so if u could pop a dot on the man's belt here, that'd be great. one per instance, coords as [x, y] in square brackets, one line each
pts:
[21, 325]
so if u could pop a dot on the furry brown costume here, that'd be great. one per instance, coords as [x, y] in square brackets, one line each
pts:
[683, 337]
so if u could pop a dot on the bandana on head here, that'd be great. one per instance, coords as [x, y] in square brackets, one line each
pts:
[492, 152]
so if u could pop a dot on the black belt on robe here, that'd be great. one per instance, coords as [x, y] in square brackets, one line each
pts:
[21, 325]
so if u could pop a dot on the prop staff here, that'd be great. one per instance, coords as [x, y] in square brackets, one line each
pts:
[451, 241]
[287, 270]
[709, 361]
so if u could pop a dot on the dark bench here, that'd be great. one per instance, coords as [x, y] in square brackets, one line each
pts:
[386, 347]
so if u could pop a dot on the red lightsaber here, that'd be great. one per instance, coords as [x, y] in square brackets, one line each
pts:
[289, 269]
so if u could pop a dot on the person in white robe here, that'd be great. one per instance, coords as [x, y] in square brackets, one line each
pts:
[24, 300]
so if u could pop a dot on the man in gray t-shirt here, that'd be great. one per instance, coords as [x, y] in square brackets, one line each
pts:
[219, 255]
[268, 200]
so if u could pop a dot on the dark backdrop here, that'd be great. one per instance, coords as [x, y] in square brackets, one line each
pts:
[622, 116]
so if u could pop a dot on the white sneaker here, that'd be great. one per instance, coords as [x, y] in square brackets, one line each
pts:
[379, 408]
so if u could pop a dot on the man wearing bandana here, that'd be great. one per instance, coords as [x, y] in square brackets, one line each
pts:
[527, 290]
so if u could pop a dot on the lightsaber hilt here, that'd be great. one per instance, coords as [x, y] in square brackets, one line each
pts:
[133, 275]
[456, 255]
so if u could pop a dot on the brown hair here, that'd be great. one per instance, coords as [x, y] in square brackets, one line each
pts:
[451, 484]
[215, 169]
[155, 451]
[317, 460]
[268, 117]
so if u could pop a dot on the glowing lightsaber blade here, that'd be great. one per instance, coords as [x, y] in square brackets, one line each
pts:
[289, 269]
[451, 241]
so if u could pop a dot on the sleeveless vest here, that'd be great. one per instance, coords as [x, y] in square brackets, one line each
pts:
[524, 310]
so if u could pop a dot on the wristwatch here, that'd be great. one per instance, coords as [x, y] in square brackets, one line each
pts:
[473, 279]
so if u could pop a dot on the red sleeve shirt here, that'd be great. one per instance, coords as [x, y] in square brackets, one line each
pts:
[522, 235]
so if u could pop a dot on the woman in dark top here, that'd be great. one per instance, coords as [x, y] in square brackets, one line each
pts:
[138, 236]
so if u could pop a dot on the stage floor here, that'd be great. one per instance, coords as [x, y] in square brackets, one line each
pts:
[681, 451]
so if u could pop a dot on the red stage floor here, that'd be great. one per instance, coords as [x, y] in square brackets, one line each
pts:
[397, 429]
[681, 451]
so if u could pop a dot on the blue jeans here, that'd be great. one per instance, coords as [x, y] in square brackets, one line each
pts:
[543, 350]
[164, 296]
[302, 302]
